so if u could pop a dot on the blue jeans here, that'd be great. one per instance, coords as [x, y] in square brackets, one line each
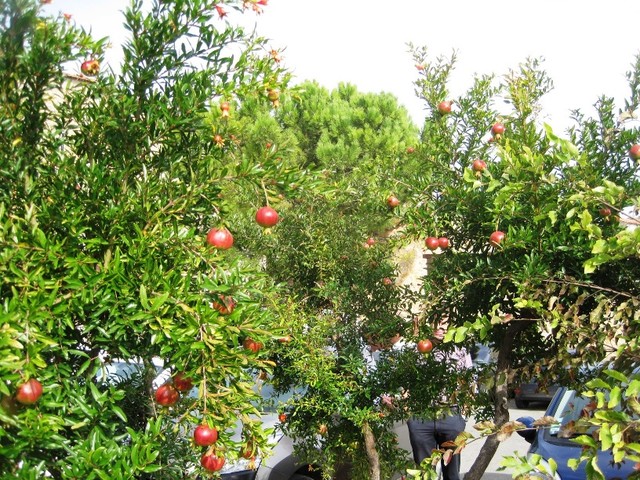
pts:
[427, 435]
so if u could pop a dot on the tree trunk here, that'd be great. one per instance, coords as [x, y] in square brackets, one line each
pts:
[372, 452]
[501, 406]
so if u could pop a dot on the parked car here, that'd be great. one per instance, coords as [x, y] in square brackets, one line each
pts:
[567, 406]
[281, 464]
[534, 392]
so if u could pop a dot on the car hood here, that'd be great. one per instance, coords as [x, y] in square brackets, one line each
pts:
[563, 452]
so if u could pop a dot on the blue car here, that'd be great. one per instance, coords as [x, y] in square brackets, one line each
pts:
[566, 406]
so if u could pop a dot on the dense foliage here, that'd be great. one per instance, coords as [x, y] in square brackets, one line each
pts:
[333, 253]
[548, 294]
[116, 181]
[110, 185]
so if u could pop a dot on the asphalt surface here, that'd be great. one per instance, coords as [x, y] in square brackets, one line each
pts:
[515, 443]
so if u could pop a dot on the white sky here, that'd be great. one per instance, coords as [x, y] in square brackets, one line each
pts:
[588, 45]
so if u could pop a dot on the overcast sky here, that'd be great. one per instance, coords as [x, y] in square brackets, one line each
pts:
[588, 45]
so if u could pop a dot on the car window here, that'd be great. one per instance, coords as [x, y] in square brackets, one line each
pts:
[273, 400]
[116, 370]
[569, 410]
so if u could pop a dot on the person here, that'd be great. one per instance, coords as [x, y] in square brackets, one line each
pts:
[428, 434]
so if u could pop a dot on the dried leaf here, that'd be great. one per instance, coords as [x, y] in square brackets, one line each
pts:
[568, 430]
[486, 425]
[510, 427]
[587, 411]
[545, 421]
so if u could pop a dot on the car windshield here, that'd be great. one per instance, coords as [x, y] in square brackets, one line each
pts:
[569, 410]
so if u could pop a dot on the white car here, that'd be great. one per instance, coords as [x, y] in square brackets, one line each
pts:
[281, 464]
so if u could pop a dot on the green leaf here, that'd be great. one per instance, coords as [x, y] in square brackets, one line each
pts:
[605, 436]
[585, 440]
[573, 463]
[135, 454]
[469, 176]
[159, 301]
[460, 334]
[593, 470]
[119, 412]
[152, 468]
[549, 132]
[41, 238]
[586, 219]
[599, 246]
[633, 389]
[143, 297]
[619, 376]
[615, 397]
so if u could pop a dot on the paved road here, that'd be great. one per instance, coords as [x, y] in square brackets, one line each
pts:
[515, 443]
